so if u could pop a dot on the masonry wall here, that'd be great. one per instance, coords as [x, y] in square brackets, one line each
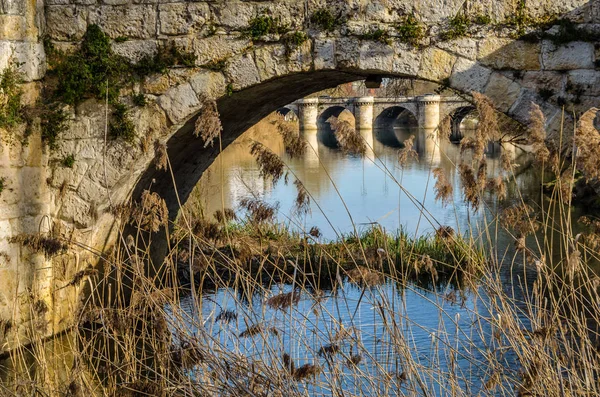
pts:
[75, 203]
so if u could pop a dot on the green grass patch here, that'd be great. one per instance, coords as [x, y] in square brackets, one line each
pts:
[410, 30]
[378, 35]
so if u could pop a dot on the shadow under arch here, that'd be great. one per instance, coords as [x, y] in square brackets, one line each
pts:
[325, 133]
[456, 122]
[288, 114]
[392, 126]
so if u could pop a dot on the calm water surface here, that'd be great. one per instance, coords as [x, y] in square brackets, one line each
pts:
[350, 192]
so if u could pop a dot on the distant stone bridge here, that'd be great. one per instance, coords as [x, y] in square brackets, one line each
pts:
[249, 78]
[370, 112]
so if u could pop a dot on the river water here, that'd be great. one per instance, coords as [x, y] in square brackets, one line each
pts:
[352, 193]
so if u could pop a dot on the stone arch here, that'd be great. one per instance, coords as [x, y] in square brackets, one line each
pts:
[288, 113]
[394, 114]
[325, 133]
[456, 120]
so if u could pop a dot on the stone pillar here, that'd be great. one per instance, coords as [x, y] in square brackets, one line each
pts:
[21, 35]
[429, 111]
[308, 110]
[363, 113]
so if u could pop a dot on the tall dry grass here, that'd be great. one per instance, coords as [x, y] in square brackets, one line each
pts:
[531, 333]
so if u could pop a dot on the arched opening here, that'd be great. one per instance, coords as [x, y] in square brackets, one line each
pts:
[326, 134]
[463, 123]
[394, 125]
[288, 114]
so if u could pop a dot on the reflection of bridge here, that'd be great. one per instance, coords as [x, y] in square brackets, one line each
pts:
[369, 112]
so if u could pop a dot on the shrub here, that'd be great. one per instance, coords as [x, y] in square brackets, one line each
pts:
[379, 35]
[263, 25]
[458, 27]
[139, 100]
[410, 30]
[482, 19]
[11, 110]
[295, 39]
[121, 125]
[324, 19]
[68, 161]
[53, 123]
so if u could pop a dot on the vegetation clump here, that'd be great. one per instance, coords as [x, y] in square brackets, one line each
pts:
[264, 25]
[324, 19]
[379, 35]
[295, 39]
[95, 71]
[458, 27]
[410, 30]
[68, 161]
[11, 109]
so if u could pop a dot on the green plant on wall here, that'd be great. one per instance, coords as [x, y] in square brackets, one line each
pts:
[2, 184]
[458, 27]
[264, 25]
[410, 30]
[11, 110]
[378, 35]
[95, 71]
[325, 19]
[68, 161]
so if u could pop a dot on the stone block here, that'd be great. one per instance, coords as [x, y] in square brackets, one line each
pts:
[135, 50]
[347, 52]
[65, 23]
[469, 76]
[211, 84]
[499, 53]
[271, 61]
[300, 59]
[522, 107]
[376, 57]
[324, 51]
[134, 21]
[182, 18]
[242, 72]
[233, 15]
[543, 79]
[179, 103]
[588, 80]
[13, 27]
[465, 47]
[575, 55]
[219, 47]
[76, 210]
[436, 64]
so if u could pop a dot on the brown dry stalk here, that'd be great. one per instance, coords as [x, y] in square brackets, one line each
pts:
[587, 141]
[283, 301]
[443, 188]
[445, 128]
[407, 152]
[537, 134]
[269, 163]
[160, 155]
[208, 125]
[294, 145]
[302, 205]
[469, 183]
[349, 140]
[258, 210]
[151, 212]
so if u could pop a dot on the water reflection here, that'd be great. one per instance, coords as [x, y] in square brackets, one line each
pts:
[373, 189]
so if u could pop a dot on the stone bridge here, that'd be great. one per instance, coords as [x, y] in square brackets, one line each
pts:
[370, 112]
[250, 76]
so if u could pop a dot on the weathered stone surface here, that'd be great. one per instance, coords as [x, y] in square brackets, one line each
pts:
[465, 47]
[543, 80]
[376, 57]
[501, 53]
[233, 15]
[66, 23]
[135, 50]
[242, 72]
[576, 55]
[217, 48]
[586, 80]
[133, 21]
[406, 61]
[179, 102]
[469, 76]
[436, 64]
[324, 57]
[271, 61]
[209, 84]
[502, 91]
[182, 18]
[521, 109]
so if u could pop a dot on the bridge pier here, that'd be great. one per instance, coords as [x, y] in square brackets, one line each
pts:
[308, 110]
[429, 111]
[363, 113]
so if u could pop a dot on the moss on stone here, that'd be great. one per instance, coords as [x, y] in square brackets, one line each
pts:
[325, 19]
[410, 30]
[68, 161]
[458, 27]
[264, 25]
